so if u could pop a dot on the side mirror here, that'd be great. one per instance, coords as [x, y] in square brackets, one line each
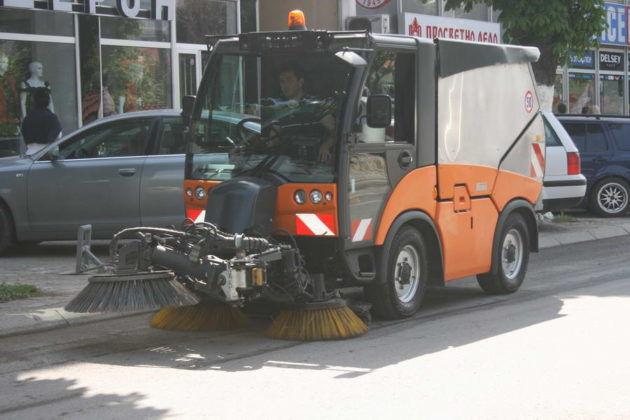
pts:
[379, 111]
[188, 102]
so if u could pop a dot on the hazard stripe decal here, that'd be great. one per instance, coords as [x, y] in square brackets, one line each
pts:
[315, 224]
[196, 215]
[361, 230]
[537, 164]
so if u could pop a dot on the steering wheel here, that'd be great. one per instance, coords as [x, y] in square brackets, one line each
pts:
[246, 135]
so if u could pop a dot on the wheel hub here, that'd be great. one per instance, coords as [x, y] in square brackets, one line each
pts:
[404, 273]
[407, 273]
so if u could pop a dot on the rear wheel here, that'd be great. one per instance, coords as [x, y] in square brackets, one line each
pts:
[510, 263]
[7, 232]
[609, 197]
[405, 270]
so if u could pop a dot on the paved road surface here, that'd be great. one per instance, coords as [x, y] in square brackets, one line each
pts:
[559, 348]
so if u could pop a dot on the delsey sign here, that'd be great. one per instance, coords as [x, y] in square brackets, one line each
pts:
[160, 9]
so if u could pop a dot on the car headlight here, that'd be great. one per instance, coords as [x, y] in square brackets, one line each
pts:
[316, 196]
[200, 193]
[300, 196]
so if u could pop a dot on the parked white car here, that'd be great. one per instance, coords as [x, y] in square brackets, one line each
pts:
[564, 185]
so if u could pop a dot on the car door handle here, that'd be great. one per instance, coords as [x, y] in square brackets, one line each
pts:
[600, 159]
[405, 159]
[127, 171]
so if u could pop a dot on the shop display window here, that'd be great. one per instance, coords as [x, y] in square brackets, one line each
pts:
[135, 29]
[581, 92]
[611, 94]
[25, 66]
[196, 18]
[137, 79]
[36, 23]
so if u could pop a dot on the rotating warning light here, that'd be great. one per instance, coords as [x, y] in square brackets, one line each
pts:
[297, 21]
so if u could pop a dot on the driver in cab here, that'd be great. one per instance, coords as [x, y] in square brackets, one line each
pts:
[291, 80]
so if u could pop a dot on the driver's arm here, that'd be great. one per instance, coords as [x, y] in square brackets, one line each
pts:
[325, 150]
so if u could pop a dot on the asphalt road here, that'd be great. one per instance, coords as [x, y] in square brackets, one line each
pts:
[556, 349]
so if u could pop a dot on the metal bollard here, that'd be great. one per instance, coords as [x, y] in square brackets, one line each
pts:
[86, 260]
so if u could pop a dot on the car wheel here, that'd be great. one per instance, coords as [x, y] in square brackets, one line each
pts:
[406, 269]
[7, 232]
[510, 262]
[609, 197]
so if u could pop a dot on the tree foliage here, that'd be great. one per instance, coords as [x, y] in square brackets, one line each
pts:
[556, 27]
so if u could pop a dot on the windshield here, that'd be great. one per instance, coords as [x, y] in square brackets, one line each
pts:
[275, 113]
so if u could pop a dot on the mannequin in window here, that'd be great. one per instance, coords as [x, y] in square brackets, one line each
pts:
[132, 101]
[28, 86]
[9, 105]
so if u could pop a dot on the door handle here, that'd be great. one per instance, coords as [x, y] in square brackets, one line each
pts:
[600, 159]
[127, 171]
[405, 159]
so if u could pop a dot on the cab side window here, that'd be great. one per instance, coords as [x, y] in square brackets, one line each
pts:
[116, 139]
[392, 73]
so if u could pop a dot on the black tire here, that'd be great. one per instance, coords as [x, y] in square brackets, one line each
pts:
[401, 293]
[510, 258]
[7, 231]
[610, 197]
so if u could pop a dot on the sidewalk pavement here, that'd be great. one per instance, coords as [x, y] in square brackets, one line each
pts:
[49, 267]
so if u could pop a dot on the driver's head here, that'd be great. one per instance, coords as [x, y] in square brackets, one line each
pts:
[291, 81]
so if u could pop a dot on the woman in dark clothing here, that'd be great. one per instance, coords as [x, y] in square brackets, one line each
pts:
[41, 126]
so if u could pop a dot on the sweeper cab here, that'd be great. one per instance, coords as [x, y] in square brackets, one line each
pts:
[318, 160]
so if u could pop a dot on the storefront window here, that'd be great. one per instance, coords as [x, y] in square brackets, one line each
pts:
[90, 53]
[248, 16]
[37, 23]
[557, 93]
[137, 78]
[26, 66]
[581, 92]
[196, 18]
[611, 94]
[136, 29]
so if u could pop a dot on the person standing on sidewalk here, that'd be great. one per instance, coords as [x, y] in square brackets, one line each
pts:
[41, 126]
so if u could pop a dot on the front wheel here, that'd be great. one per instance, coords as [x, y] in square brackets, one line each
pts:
[510, 262]
[401, 292]
[610, 197]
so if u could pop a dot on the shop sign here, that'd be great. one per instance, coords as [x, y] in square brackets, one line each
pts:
[160, 9]
[586, 61]
[426, 26]
[610, 61]
[617, 19]
[372, 4]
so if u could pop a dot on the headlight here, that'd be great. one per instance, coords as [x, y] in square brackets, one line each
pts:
[200, 193]
[188, 192]
[329, 196]
[316, 196]
[300, 196]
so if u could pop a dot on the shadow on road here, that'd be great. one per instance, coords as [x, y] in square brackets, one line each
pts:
[36, 396]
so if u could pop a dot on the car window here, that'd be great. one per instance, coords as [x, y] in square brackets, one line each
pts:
[621, 134]
[171, 137]
[551, 138]
[595, 138]
[577, 131]
[119, 138]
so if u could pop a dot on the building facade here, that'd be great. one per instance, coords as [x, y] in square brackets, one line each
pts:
[104, 57]
[598, 80]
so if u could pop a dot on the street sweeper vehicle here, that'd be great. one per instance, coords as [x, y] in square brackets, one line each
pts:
[382, 161]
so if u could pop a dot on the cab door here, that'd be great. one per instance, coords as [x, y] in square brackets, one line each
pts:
[381, 156]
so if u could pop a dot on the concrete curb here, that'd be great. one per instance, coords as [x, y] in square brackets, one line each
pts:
[604, 232]
[52, 318]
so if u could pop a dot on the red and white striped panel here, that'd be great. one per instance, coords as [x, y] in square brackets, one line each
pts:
[315, 224]
[361, 230]
[196, 215]
[537, 163]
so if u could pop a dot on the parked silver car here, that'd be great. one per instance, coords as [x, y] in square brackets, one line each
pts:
[125, 170]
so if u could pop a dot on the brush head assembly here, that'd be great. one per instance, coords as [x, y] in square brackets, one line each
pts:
[131, 292]
[327, 320]
[211, 316]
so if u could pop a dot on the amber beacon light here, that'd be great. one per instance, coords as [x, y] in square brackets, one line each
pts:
[297, 21]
